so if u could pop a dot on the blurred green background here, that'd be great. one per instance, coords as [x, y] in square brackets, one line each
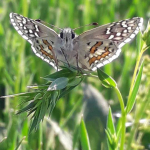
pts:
[19, 67]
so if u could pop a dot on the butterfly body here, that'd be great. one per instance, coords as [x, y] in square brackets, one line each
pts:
[67, 36]
[90, 50]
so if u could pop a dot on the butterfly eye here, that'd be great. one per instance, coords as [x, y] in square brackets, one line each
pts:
[73, 35]
[61, 35]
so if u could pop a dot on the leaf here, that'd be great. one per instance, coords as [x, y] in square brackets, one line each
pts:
[20, 94]
[110, 124]
[106, 80]
[131, 99]
[84, 136]
[108, 136]
[18, 145]
[118, 129]
[52, 102]
[28, 107]
[38, 87]
[58, 84]
[66, 91]
[43, 110]
[74, 82]
[62, 73]
[39, 95]
[118, 135]
[35, 120]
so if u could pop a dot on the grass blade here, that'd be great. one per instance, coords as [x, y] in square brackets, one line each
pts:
[132, 97]
[84, 136]
[110, 124]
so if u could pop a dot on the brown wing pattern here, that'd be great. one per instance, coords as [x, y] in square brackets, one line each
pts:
[103, 44]
[41, 38]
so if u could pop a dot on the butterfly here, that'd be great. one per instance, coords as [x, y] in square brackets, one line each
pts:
[90, 50]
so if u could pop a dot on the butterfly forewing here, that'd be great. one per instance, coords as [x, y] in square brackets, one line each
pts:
[38, 35]
[103, 44]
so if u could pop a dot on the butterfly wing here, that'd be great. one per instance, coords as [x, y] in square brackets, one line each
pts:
[103, 44]
[41, 38]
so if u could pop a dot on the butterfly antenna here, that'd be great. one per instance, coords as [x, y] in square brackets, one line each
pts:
[47, 23]
[91, 24]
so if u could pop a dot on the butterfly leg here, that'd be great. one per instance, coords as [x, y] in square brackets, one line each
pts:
[77, 60]
[65, 56]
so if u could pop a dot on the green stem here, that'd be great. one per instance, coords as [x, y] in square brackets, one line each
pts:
[120, 99]
[40, 138]
[123, 114]
[144, 47]
[123, 120]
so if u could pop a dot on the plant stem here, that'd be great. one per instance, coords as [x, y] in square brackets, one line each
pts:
[144, 47]
[123, 120]
[123, 114]
[120, 100]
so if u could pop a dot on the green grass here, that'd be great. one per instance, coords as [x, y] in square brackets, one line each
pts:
[19, 68]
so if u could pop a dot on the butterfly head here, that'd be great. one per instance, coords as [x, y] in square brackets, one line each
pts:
[67, 35]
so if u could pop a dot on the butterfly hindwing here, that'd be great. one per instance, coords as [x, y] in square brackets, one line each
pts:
[44, 48]
[103, 44]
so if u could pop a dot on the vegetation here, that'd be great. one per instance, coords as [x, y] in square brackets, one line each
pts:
[82, 111]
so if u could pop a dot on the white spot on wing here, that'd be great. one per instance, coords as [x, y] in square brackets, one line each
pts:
[26, 31]
[24, 21]
[34, 50]
[94, 68]
[124, 34]
[111, 59]
[127, 40]
[121, 44]
[31, 35]
[25, 37]
[140, 24]
[30, 31]
[132, 36]
[99, 65]
[90, 55]
[20, 24]
[12, 20]
[20, 32]
[105, 62]
[38, 55]
[36, 28]
[111, 36]
[108, 31]
[19, 18]
[129, 28]
[118, 38]
[14, 24]
[136, 31]
[99, 52]
[124, 25]
[10, 15]
[46, 60]
[16, 27]
[30, 41]
[36, 34]
[118, 34]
